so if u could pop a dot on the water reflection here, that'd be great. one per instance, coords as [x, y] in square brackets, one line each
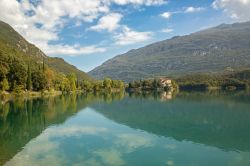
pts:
[24, 119]
[218, 119]
[133, 129]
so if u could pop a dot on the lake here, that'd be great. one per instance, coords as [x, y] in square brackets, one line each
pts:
[185, 129]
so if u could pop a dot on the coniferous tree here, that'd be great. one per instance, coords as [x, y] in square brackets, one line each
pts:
[29, 81]
[43, 65]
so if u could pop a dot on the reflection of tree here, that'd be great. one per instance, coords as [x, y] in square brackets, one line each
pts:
[22, 119]
[216, 120]
[154, 95]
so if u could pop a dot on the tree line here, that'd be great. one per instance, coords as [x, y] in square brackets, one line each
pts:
[149, 85]
[234, 81]
[18, 77]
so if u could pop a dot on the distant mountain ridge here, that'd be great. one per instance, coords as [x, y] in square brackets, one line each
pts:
[12, 41]
[222, 48]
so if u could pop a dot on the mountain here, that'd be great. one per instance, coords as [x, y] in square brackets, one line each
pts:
[13, 44]
[222, 48]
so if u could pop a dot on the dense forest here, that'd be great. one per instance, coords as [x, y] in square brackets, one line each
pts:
[16, 77]
[238, 80]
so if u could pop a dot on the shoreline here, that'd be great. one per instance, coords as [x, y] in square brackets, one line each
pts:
[6, 96]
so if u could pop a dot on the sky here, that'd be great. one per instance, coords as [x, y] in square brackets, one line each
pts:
[86, 33]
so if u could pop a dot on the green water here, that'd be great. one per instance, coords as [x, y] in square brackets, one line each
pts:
[187, 129]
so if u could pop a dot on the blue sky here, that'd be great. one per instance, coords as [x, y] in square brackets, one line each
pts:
[86, 33]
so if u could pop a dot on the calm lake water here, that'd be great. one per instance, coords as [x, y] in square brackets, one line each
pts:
[186, 129]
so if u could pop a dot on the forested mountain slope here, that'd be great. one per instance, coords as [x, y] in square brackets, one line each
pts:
[13, 47]
[222, 48]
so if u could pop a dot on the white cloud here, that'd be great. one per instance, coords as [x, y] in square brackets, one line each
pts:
[189, 9]
[49, 14]
[166, 15]
[167, 30]
[75, 130]
[52, 17]
[131, 142]
[109, 22]
[110, 157]
[128, 36]
[50, 148]
[139, 2]
[193, 9]
[74, 50]
[236, 9]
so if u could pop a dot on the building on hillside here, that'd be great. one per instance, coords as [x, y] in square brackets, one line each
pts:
[165, 82]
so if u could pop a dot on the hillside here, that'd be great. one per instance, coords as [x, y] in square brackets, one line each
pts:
[222, 48]
[13, 44]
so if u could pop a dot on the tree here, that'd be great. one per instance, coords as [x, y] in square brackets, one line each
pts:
[107, 84]
[43, 65]
[65, 85]
[17, 73]
[155, 84]
[39, 81]
[50, 75]
[86, 85]
[29, 81]
[3, 71]
[72, 81]
[5, 84]
[146, 84]
[118, 84]
[97, 86]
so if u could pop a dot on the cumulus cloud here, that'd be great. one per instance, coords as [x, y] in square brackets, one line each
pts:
[167, 30]
[131, 142]
[189, 9]
[52, 16]
[74, 50]
[166, 15]
[109, 22]
[49, 14]
[192, 9]
[128, 36]
[139, 2]
[110, 157]
[236, 9]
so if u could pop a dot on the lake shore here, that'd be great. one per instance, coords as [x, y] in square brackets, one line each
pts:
[6, 96]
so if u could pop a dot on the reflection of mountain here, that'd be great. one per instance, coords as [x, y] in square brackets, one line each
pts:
[20, 121]
[219, 121]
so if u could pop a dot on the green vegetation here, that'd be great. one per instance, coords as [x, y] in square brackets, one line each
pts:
[16, 77]
[150, 85]
[107, 85]
[16, 51]
[23, 67]
[222, 48]
[232, 81]
[239, 80]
